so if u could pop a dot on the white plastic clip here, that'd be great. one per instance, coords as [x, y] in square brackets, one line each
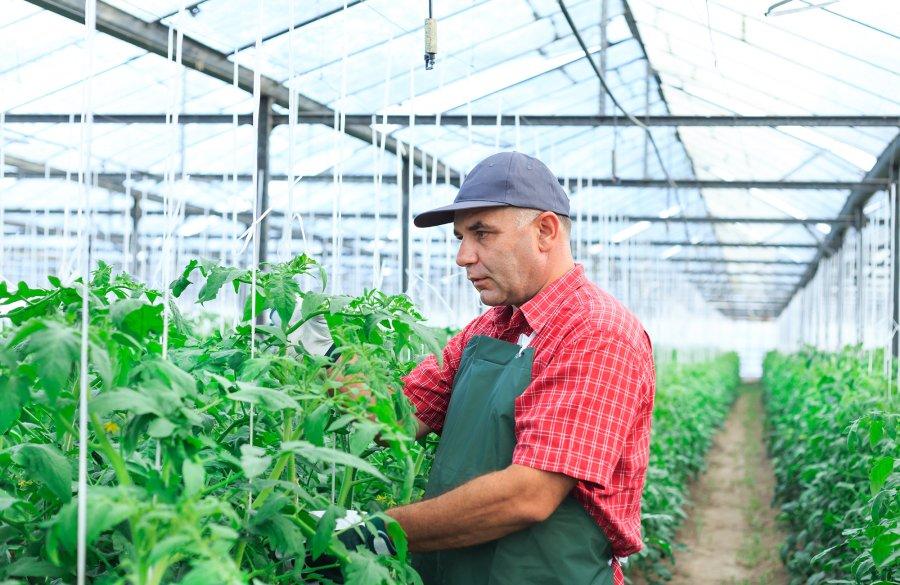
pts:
[524, 342]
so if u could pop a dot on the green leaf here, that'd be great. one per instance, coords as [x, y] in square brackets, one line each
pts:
[398, 537]
[879, 473]
[328, 455]
[181, 283]
[15, 393]
[282, 292]
[137, 317]
[321, 540]
[124, 399]
[314, 424]
[56, 350]
[284, 536]
[33, 567]
[194, 477]
[363, 435]
[365, 570]
[106, 508]
[218, 277]
[254, 461]
[48, 465]
[876, 432]
[886, 549]
[267, 398]
[312, 303]
[6, 500]
[160, 428]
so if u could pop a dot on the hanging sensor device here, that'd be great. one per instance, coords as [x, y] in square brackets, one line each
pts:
[430, 39]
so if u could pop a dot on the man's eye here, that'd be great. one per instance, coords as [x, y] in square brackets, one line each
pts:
[480, 235]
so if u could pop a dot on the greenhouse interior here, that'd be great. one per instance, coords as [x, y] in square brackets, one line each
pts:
[192, 191]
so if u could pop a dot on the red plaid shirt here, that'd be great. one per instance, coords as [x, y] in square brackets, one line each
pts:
[586, 413]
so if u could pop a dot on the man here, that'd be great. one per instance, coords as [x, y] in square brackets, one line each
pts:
[543, 403]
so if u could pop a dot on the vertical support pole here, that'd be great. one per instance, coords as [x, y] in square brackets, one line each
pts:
[646, 113]
[262, 175]
[839, 298]
[604, 45]
[135, 244]
[860, 277]
[895, 335]
[406, 184]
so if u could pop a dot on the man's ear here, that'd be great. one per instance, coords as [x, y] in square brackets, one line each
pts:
[549, 230]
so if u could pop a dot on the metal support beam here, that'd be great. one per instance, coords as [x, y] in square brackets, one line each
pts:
[719, 261]
[841, 220]
[322, 116]
[732, 244]
[573, 183]
[154, 37]
[855, 203]
[405, 220]
[895, 284]
[263, 130]
[99, 179]
[246, 218]
[207, 177]
[670, 121]
[129, 119]
[860, 276]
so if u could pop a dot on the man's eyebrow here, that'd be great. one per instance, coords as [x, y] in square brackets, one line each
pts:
[478, 225]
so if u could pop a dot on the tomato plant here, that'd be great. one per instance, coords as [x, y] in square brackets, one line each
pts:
[834, 442]
[205, 464]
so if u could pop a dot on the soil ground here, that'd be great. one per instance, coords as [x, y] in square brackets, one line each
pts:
[731, 535]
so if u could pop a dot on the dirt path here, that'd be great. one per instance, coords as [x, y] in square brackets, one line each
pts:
[730, 532]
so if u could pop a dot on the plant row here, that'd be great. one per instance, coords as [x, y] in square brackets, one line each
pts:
[692, 401]
[834, 444]
[212, 458]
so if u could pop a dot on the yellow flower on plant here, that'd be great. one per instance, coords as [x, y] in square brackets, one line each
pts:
[110, 427]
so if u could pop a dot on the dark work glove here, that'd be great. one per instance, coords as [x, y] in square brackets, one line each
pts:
[371, 535]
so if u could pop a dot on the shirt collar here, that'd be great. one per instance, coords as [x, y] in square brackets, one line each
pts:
[542, 306]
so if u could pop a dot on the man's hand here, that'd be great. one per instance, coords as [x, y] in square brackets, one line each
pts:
[315, 337]
[484, 509]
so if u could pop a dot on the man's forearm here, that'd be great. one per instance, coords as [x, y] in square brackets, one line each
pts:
[483, 509]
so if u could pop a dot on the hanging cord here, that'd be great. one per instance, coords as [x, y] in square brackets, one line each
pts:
[287, 229]
[2, 207]
[90, 21]
[430, 38]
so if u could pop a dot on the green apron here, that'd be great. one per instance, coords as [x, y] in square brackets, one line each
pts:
[478, 437]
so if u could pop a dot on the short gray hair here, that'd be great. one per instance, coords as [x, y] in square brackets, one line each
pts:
[526, 215]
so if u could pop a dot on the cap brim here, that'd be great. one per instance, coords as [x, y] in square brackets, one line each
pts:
[445, 214]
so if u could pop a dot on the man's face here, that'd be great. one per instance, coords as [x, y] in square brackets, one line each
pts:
[500, 254]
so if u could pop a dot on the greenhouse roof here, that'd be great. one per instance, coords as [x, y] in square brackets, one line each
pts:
[513, 68]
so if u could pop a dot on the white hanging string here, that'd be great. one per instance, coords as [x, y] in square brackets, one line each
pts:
[3, 207]
[258, 185]
[377, 271]
[287, 233]
[90, 21]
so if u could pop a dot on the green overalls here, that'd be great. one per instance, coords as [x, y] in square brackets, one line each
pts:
[478, 437]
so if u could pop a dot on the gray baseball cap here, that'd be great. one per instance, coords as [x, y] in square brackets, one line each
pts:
[503, 179]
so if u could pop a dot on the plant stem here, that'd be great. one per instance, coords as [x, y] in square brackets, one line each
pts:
[346, 487]
[114, 458]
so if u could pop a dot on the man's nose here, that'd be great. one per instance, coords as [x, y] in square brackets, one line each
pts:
[465, 256]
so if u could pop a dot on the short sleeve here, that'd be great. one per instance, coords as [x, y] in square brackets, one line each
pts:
[429, 385]
[575, 417]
